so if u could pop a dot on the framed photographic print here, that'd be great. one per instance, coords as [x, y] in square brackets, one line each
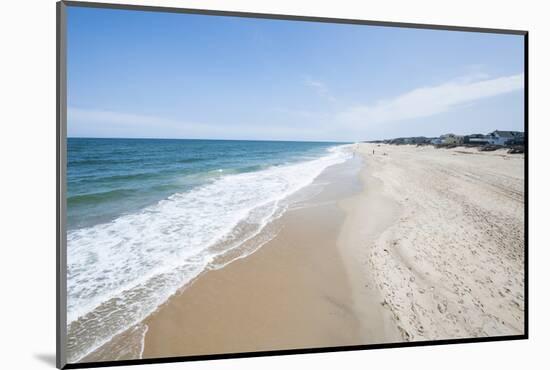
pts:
[235, 184]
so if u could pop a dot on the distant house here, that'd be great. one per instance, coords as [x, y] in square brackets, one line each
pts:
[452, 139]
[505, 138]
[398, 141]
[420, 140]
[479, 139]
[416, 140]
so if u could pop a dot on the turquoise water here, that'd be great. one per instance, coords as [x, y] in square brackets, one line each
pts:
[145, 217]
[111, 177]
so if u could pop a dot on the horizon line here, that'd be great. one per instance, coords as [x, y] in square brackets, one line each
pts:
[177, 138]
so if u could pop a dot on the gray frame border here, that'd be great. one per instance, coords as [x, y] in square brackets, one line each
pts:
[61, 169]
[165, 9]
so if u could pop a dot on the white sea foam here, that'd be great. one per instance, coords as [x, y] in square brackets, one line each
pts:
[121, 271]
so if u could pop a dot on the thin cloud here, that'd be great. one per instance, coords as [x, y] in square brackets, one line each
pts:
[320, 88]
[429, 101]
[354, 121]
[122, 124]
[118, 118]
[107, 123]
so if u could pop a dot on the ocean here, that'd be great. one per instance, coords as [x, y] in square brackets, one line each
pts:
[146, 216]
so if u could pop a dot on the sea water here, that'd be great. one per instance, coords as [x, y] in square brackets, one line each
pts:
[147, 216]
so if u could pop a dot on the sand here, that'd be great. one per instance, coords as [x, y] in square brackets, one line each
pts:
[452, 263]
[406, 244]
[295, 292]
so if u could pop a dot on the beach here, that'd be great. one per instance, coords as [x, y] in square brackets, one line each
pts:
[452, 263]
[297, 291]
[405, 243]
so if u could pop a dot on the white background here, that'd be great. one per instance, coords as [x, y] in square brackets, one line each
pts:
[27, 204]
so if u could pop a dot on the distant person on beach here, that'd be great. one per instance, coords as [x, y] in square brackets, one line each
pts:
[373, 152]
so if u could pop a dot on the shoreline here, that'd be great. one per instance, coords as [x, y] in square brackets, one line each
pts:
[194, 303]
[202, 229]
[294, 292]
[401, 245]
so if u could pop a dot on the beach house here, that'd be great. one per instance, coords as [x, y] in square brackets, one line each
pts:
[479, 139]
[452, 139]
[505, 137]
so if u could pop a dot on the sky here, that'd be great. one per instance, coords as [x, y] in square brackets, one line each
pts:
[165, 75]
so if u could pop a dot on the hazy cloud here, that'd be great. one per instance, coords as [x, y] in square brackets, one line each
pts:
[116, 118]
[120, 124]
[355, 121]
[107, 123]
[429, 101]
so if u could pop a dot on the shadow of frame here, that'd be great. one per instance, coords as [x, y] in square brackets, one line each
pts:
[47, 358]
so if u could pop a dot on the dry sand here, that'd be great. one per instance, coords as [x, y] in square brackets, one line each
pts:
[452, 263]
[409, 243]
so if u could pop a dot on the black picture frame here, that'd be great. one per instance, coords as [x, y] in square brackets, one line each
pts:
[61, 164]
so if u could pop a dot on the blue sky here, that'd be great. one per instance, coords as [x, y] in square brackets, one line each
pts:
[145, 74]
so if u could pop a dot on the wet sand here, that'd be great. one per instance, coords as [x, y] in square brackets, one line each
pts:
[297, 291]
